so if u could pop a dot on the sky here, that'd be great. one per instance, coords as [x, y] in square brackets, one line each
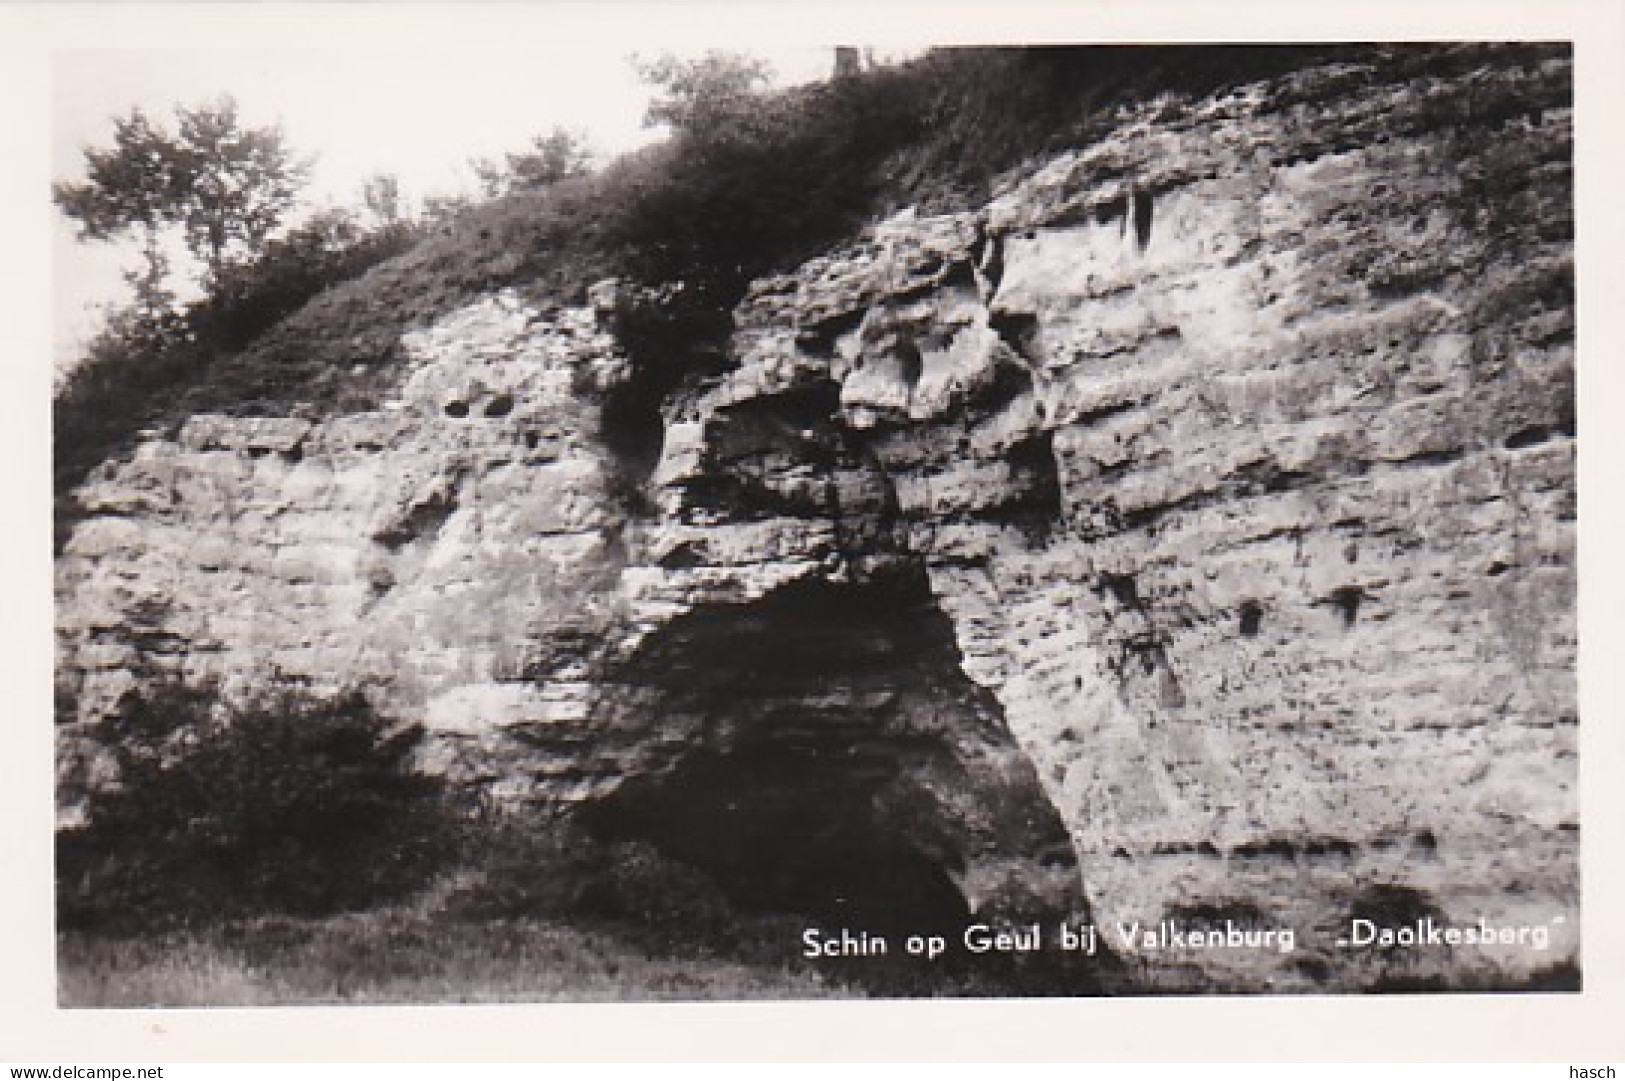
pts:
[418, 115]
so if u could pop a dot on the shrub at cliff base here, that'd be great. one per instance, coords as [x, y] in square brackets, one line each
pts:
[288, 806]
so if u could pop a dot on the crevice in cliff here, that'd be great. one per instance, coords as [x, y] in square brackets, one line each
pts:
[1142, 210]
[987, 260]
[672, 336]
[786, 455]
[828, 757]
[1430, 458]
[1017, 331]
[1034, 504]
[818, 334]
[1532, 436]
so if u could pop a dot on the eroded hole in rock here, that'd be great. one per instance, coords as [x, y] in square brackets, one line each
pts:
[960, 273]
[1252, 616]
[682, 556]
[1010, 381]
[826, 756]
[499, 406]
[1347, 600]
[910, 364]
[815, 342]
[1122, 587]
[1387, 905]
[1527, 437]
[1111, 210]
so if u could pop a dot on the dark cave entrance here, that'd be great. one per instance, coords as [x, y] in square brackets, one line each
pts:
[791, 831]
[829, 758]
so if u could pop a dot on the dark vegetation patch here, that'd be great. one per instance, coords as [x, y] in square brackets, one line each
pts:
[633, 891]
[288, 805]
[289, 852]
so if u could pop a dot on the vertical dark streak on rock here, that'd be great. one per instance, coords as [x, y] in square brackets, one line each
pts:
[1142, 219]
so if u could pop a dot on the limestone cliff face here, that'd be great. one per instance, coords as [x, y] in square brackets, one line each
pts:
[1187, 534]
[411, 552]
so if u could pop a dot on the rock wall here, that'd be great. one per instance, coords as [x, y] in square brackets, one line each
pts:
[1207, 498]
[414, 552]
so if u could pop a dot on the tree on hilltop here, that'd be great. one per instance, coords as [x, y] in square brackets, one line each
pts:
[561, 154]
[224, 186]
[131, 187]
[381, 196]
[696, 93]
[238, 183]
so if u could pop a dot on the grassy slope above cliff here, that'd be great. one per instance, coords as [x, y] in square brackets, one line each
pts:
[770, 184]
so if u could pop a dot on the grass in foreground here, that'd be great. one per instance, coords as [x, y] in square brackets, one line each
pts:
[394, 957]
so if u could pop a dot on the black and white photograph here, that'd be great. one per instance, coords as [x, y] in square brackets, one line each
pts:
[862, 519]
